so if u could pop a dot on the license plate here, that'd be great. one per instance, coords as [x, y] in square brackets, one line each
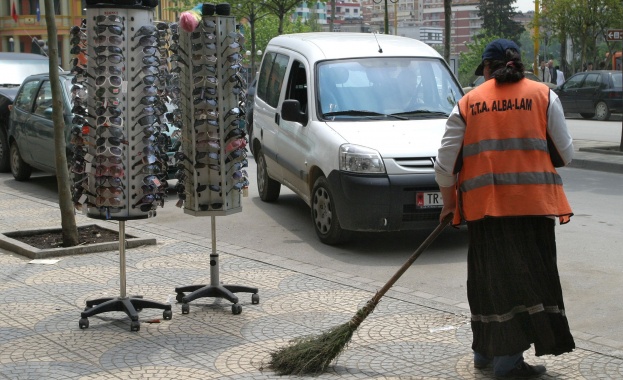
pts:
[428, 199]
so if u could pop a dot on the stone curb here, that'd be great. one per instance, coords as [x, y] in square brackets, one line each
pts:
[20, 248]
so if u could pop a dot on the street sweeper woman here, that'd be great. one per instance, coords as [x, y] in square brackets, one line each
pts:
[496, 171]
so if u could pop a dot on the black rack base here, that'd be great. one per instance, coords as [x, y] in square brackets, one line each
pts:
[129, 305]
[219, 291]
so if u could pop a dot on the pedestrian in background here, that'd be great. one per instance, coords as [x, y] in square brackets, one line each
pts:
[496, 171]
[552, 71]
[560, 76]
[545, 73]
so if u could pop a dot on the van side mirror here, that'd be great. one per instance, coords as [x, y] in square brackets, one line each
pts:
[291, 111]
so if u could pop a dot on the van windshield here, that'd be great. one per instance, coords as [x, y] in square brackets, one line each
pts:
[374, 88]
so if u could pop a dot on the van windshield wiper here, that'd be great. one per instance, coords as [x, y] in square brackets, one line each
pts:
[421, 113]
[363, 113]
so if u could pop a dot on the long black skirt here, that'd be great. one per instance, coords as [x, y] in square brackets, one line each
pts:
[514, 289]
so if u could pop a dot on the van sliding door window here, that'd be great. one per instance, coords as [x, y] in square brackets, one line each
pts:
[271, 78]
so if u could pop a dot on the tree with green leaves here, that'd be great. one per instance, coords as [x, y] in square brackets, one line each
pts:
[470, 60]
[281, 8]
[253, 11]
[497, 17]
[584, 22]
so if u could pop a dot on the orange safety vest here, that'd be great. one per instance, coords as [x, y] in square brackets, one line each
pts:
[506, 166]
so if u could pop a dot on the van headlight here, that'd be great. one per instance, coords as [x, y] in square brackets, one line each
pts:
[359, 159]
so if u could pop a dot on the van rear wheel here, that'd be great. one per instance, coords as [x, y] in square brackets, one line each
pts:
[268, 188]
[324, 215]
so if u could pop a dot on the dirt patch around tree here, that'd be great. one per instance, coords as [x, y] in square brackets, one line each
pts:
[91, 234]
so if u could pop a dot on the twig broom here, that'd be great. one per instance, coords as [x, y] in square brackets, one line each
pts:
[312, 355]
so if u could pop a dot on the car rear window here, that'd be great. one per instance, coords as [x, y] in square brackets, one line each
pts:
[14, 72]
[617, 80]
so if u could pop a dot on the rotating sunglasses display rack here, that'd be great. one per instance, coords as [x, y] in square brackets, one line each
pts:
[123, 164]
[211, 175]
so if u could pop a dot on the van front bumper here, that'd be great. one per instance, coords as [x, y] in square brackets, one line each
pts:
[381, 203]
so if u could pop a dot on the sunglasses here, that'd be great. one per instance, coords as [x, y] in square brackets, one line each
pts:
[115, 141]
[199, 122]
[109, 120]
[108, 101]
[114, 80]
[110, 171]
[100, 92]
[201, 46]
[112, 58]
[147, 80]
[108, 202]
[113, 70]
[108, 181]
[114, 29]
[108, 159]
[145, 160]
[114, 150]
[146, 30]
[211, 206]
[114, 191]
[150, 169]
[148, 70]
[110, 49]
[112, 110]
[147, 41]
[115, 40]
[111, 18]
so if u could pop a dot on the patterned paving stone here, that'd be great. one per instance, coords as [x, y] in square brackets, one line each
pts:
[40, 337]
[46, 370]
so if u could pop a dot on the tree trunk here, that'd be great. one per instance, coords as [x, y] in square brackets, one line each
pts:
[447, 10]
[332, 15]
[68, 219]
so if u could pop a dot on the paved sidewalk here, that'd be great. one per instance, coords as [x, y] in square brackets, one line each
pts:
[409, 336]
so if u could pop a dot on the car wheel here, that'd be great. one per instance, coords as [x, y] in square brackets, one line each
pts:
[587, 115]
[602, 112]
[21, 170]
[325, 216]
[5, 164]
[268, 188]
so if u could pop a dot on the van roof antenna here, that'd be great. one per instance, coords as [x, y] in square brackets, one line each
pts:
[377, 42]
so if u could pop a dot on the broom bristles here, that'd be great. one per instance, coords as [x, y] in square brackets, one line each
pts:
[311, 355]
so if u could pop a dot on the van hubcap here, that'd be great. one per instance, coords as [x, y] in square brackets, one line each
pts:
[322, 210]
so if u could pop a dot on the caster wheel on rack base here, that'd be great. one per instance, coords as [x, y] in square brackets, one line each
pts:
[167, 315]
[135, 326]
[83, 323]
[185, 308]
[255, 299]
[179, 297]
[236, 309]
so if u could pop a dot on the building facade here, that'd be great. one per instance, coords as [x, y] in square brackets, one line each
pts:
[19, 31]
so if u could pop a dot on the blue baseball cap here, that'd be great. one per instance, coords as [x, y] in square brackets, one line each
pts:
[496, 50]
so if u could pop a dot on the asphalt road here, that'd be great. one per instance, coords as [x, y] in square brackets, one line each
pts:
[590, 263]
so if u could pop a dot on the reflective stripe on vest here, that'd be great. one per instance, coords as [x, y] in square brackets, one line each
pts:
[511, 179]
[507, 144]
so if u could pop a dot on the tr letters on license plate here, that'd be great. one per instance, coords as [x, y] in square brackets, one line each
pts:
[429, 199]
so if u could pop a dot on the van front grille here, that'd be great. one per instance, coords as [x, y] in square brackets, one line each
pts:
[416, 163]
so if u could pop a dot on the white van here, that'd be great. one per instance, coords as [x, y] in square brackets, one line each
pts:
[351, 122]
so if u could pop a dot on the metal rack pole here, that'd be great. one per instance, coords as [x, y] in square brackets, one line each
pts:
[214, 277]
[122, 293]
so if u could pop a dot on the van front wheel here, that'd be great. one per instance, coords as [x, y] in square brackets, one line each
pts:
[268, 188]
[324, 215]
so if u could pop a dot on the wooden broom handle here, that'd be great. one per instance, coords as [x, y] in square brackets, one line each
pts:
[433, 235]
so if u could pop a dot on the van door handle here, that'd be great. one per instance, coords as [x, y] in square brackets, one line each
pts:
[277, 118]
